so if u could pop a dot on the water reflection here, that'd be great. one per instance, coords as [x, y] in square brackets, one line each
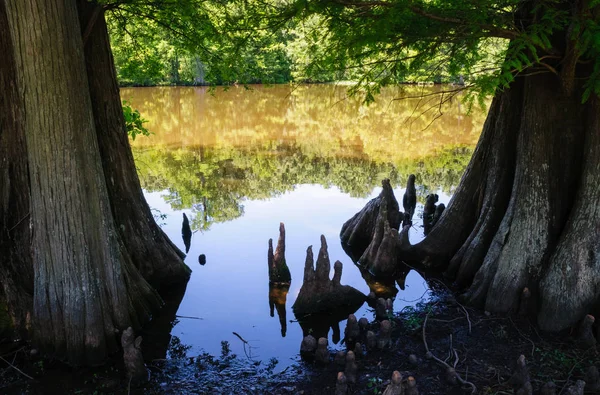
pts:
[186, 233]
[277, 300]
[240, 162]
[211, 152]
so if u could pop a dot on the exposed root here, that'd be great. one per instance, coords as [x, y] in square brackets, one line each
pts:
[443, 363]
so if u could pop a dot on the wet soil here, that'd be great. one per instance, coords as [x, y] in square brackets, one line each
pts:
[483, 347]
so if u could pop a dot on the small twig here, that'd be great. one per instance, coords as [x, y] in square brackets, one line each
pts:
[239, 337]
[460, 379]
[458, 303]
[21, 220]
[192, 318]
[523, 336]
[415, 300]
[12, 352]
[17, 369]
[244, 344]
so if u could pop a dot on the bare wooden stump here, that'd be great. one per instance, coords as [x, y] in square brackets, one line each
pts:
[357, 233]
[308, 347]
[395, 386]
[371, 340]
[413, 360]
[576, 389]
[520, 379]
[341, 385]
[380, 310]
[322, 353]
[358, 351]
[132, 357]
[381, 256]
[351, 367]
[429, 212]
[439, 210]
[323, 303]
[385, 335]
[278, 269]
[363, 325]
[411, 386]
[352, 332]
[586, 337]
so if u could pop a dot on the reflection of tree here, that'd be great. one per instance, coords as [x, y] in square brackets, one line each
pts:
[214, 182]
[212, 151]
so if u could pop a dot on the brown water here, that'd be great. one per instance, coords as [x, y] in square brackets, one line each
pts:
[237, 162]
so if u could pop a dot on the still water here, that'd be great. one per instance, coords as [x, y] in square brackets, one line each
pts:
[238, 162]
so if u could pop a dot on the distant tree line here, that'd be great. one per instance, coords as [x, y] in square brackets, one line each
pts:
[148, 53]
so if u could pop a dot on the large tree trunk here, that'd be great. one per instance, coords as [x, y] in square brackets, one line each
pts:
[86, 286]
[524, 214]
[16, 267]
[159, 261]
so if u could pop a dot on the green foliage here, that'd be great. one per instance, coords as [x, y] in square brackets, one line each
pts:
[412, 318]
[373, 43]
[373, 385]
[134, 123]
[212, 152]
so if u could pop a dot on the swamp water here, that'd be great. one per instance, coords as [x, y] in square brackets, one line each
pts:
[238, 162]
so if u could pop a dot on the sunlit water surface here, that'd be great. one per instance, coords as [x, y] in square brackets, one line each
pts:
[238, 162]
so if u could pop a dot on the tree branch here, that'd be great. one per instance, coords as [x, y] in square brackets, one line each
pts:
[493, 30]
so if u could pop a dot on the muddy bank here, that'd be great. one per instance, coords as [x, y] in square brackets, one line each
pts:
[482, 348]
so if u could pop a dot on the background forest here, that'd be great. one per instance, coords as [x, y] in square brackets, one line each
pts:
[210, 54]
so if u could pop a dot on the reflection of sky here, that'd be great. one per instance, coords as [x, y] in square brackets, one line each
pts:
[230, 293]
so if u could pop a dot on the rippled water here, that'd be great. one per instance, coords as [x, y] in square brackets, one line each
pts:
[239, 162]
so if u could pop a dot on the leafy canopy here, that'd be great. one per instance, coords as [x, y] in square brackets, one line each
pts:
[373, 42]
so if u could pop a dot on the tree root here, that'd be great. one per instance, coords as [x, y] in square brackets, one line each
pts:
[444, 363]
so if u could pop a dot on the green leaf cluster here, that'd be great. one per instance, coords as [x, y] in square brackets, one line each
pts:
[134, 123]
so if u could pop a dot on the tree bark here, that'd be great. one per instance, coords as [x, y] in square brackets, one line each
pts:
[86, 286]
[524, 214]
[16, 266]
[157, 258]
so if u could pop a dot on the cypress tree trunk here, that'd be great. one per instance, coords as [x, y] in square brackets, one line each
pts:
[86, 286]
[16, 267]
[159, 261]
[524, 214]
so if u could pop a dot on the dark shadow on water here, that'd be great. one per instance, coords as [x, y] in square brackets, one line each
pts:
[157, 333]
[318, 324]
